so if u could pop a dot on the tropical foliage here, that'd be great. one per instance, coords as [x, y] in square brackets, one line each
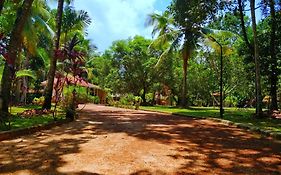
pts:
[179, 66]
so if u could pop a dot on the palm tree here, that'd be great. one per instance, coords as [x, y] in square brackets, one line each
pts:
[74, 20]
[187, 17]
[170, 36]
[34, 26]
[257, 62]
[13, 53]
[176, 39]
[53, 63]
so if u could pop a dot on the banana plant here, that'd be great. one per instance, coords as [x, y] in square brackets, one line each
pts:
[21, 73]
[26, 73]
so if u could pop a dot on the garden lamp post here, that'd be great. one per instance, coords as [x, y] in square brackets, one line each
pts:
[221, 80]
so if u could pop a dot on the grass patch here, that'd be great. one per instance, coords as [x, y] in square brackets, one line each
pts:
[17, 122]
[236, 115]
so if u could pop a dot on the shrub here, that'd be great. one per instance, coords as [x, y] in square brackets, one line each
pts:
[38, 101]
[137, 102]
[109, 99]
[128, 99]
[94, 99]
[198, 102]
[69, 105]
[30, 97]
[231, 101]
[149, 98]
[81, 94]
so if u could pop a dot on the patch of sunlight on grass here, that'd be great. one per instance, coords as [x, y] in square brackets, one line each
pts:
[236, 115]
[17, 122]
[19, 109]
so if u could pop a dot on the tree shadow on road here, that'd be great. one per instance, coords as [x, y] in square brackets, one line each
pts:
[204, 146]
[41, 152]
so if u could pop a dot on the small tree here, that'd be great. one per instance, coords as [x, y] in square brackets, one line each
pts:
[74, 63]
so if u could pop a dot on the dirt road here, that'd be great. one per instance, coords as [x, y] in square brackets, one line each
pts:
[106, 140]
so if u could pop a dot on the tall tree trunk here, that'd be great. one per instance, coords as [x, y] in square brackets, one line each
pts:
[144, 94]
[13, 54]
[1, 5]
[185, 56]
[53, 64]
[244, 32]
[257, 62]
[25, 80]
[17, 83]
[25, 90]
[273, 74]
[17, 91]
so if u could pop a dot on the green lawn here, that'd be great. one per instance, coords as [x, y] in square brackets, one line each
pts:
[17, 122]
[237, 115]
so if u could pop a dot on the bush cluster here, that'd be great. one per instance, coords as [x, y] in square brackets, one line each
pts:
[127, 101]
[38, 101]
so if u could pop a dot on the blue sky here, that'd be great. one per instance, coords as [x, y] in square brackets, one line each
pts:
[118, 19]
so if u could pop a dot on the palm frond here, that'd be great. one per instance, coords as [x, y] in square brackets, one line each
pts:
[84, 17]
[26, 73]
[74, 41]
[162, 57]
[45, 25]
[208, 31]
[161, 40]
[42, 53]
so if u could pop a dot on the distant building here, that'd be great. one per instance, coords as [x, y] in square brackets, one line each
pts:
[94, 90]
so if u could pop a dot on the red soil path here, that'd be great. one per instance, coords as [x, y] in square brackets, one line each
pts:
[106, 140]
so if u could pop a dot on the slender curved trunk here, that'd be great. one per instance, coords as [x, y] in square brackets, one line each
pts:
[273, 74]
[53, 64]
[244, 32]
[13, 54]
[257, 62]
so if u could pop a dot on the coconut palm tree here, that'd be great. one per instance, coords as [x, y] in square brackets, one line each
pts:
[167, 37]
[187, 17]
[12, 56]
[176, 39]
[36, 25]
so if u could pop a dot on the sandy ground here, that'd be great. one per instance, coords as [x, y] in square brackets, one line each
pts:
[106, 140]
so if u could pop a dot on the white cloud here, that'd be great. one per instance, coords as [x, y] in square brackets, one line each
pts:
[116, 19]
